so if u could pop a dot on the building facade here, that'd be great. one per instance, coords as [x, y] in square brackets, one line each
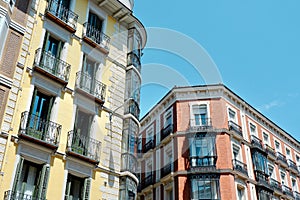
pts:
[71, 99]
[205, 142]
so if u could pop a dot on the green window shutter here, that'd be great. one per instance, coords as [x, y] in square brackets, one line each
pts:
[43, 182]
[86, 189]
[68, 188]
[18, 174]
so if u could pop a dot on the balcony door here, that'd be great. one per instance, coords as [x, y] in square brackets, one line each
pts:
[59, 8]
[30, 180]
[41, 106]
[77, 188]
[95, 21]
[81, 137]
[88, 75]
[200, 115]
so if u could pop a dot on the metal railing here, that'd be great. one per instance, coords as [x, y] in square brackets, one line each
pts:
[147, 181]
[296, 195]
[240, 166]
[149, 145]
[96, 36]
[133, 59]
[200, 124]
[275, 184]
[61, 12]
[165, 132]
[261, 177]
[49, 63]
[203, 161]
[235, 127]
[288, 191]
[129, 163]
[15, 195]
[132, 107]
[39, 128]
[281, 157]
[90, 85]
[256, 142]
[270, 150]
[292, 164]
[167, 169]
[83, 145]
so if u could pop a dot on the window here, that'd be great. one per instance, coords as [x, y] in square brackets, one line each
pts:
[266, 138]
[271, 171]
[95, 21]
[260, 162]
[30, 180]
[253, 129]
[168, 119]
[294, 185]
[77, 188]
[199, 115]
[277, 146]
[231, 115]
[288, 153]
[3, 33]
[205, 187]
[202, 151]
[169, 194]
[283, 177]
[148, 167]
[139, 145]
[149, 135]
[241, 193]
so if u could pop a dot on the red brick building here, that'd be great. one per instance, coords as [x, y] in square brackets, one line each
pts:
[205, 142]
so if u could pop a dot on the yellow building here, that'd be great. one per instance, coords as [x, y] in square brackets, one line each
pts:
[74, 104]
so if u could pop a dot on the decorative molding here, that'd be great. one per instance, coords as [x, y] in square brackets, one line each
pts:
[6, 81]
[17, 27]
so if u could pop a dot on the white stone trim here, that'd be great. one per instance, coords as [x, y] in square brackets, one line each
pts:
[6, 81]
[18, 27]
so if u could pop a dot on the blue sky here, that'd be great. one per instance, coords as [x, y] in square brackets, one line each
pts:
[255, 46]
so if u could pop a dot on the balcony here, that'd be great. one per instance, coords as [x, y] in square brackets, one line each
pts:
[240, 166]
[83, 147]
[149, 145]
[12, 195]
[95, 38]
[262, 178]
[47, 64]
[132, 107]
[38, 130]
[276, 185]
[232, 126]
[200, 125]
[282, 159]
[296, 195]
[134, 60]
[287, 191]
[129, 163]
[147, 181]
[270, 151]
[203, 161]
[256, 143]
[90, 87]
[292, 165]
[61, 15]
[166, 132]
[167, 169]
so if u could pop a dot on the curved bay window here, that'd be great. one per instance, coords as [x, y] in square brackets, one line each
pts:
[134, 49]
[128, 189]
[205, 186]
[202, 150]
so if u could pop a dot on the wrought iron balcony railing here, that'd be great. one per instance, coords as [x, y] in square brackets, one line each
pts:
[95, 36]
[40, 129]
[203, 161]
[134, 60]
[149, 145]
[240, 166]
[132, 107]
[288, 191]
[167, 169]
[15, 195]
[45, 62]
[256, 142]
[91, 86]
[275, 184]
[261, 177]
[281, 157]
[292, 165]
[270, 151]
[200, 124]
[296, 195]
[59, 11]
[84, 145]
[129, 163]
[235, 127]
[148, 180]
[166, 131]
